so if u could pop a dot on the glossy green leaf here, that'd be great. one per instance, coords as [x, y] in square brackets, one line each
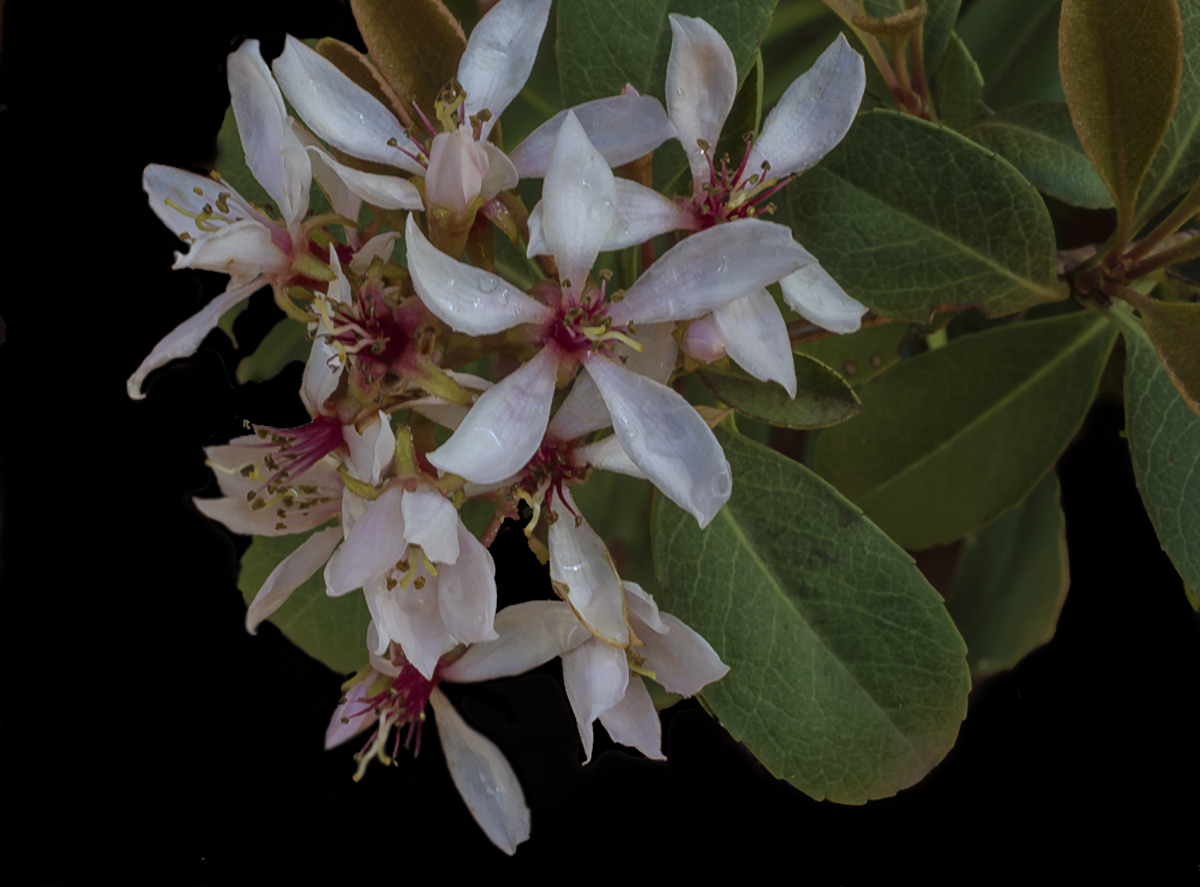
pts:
[886, 213]
[1012, 582]
[860, 357]
[1177, 165]
[1015, 43]
[959, 87]
[1040, 141]
[847, 677]
[1174, 331]
[822, 396]
[1164, 445]
[285, 342]
[605, 44]
[1120, 62]
[331, 630]
[950, 439]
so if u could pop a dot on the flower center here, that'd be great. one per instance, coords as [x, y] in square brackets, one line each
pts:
[727, 195]
[583, 325]
[397, 701]
[290, 453]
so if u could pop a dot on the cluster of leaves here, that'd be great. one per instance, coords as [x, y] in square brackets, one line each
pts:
[950, 210]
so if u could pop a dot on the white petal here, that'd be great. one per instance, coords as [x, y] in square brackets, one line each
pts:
[701, 85]
[457, 165]
[622, 128]
[239, 517]
[191, 193]
[339, 110]
[710, 269]
[358, 713]
[431, 521]
[813, 114]
[417, 623]
[375, 543]
[483, 776]
[242, 250]
[501, 174]
[379, 662]
[505, 427]
[386, 192]
[528, 635]
[634, 721]
[467, 591]
[756, 337]
[291, 572]
[343, 201]
[607, 455]
[372, 450]
[642, 606]
[596, 676]
[186, 338]
[379, 247]
[354, 508]
[642, 213]
[500, 54]
[667, 439]
[273, 153]
[444, 413]
[579, 204]
[580, 560]
[818, 298]
[469, 300]
[682, 661]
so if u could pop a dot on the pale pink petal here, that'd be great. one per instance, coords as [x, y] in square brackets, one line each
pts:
[756, 336]
[501, 174]
[642, 606]
[642, 213]
[622, 128]
[340, 111]
[386, 192]
[710, 269]
[431, 521]
[468, 299]
[417, 624]
[634, 721]
[186, 338]
[607, 455]
[682, 661]
[242, 250]
[381, 664]
[291, 572]
[190, 194]
[537, 238]
[358, 714]
[505, 427]
[818, 298]
[379, 247]
[701, 85]
[371, 451]
[457, 166]
[528, 635]
[813, 114]
[579, 560]
[704, 339]
[239, 517]
[499, 56]
[372, 546]
[483, 776]
[467, 591]
[596, 677]
[667, 439]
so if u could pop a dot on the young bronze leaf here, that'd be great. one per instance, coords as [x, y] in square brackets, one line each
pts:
[415, 44]
[1120, 62]
[1174, 331]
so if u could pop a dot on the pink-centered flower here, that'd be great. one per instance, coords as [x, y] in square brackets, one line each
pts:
[577, 324]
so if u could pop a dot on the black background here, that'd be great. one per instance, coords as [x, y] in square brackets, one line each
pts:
[146, 736]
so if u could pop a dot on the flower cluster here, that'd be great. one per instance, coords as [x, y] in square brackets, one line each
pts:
[401, 437]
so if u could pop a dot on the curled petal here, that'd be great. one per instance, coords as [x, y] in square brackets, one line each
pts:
[343, 201]
[242, 250]
[814, 113]
[643, 608]
[682, 661]
[701, 85]
[634, 721]
[755, 335]
[622, 128]
[321, 375]
[468, 299]
[665, 436]
[431, 521]
[580, 561]
[340, 111]
[710, 269]
[528, 635]
[505, 427]
[596, 677]
[372, 450]
[386, 192]
[375, 543]
[579, 199]
[467, 591]
[607, 455]
[186, 338]
[358, 714]
[379, 247]
[816, 297]
[642, 213]
[499, 56]
[291, 572]
[483, 776]
[501, 174]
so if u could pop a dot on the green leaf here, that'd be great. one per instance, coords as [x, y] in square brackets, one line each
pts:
[1120, 65]
[332, 630]
[886, 214]
[1174, 331]
[1012, 582]
[822, 396]
[1040, 141]
[287, 341]
[1177, 164]
[847, 677]
[959, 87]
[605, 44]
[1164, 445]
[861, 356]
[1015, 43]
[950, 439]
